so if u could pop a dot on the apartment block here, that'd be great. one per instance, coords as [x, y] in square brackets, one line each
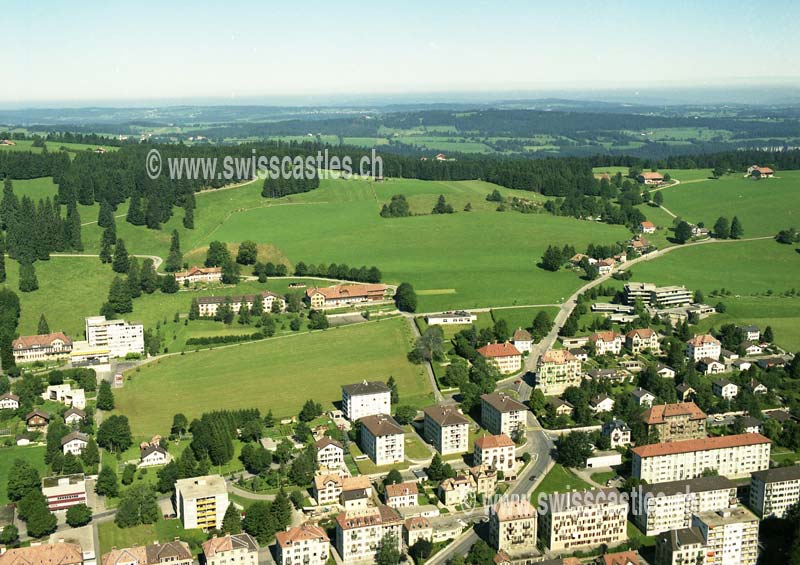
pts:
[501, 414]
[201, 502]
[730, 536]
[367, 398]
[118, 336]
[558, 369]
[307, 544]
[584, 519]
[447, 429]
[359, 532]
[676, 422]
[680, 547]
[772, 491]
[496, 451]
[730, 456]
[382, 439]
[512, 527]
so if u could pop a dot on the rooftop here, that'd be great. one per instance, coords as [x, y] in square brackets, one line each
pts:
[381, 425]
[659, 413]
[304, 532]
[779, 474]
[229, 543]
[705, 444]
[501, 402]
[365, 387]
[197, 487]
[499, 350]
[445, 415]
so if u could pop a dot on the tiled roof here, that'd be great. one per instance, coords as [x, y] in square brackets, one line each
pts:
[349, 520]
[381, 425]
[347, 291]
[705, 444]
[44, 554]
[401, 489]
[699, 340]
[522, 335]
[659, 413]
[229, 543]
[73, 436]
[42, 340]
[502, 402]
[326, 441]
[499, 350]
[514, 510]
[445, 415]
[365, 387]
[491, 442]
[606, 336]
[558, 356]
[642, 333]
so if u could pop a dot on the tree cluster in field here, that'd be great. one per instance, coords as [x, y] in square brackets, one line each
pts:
[341, 271]
[788, 236]
[25, 490]
[405, 298]
[555, 257]
[218, 255]
[397, 207]
[224, 339]
[728, 230]
[29, 165]
[279, 187]
[9, 320]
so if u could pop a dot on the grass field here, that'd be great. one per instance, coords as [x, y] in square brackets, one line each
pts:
[782, 313]
[764, 207]
[559, 479]
[278, 374]
[36, 189]
[52, 146]
[163, 531]
[33, 455]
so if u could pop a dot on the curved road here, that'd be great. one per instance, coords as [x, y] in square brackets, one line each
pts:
[156, 259]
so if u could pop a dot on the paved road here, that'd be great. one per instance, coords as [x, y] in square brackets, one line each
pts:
[156, 259]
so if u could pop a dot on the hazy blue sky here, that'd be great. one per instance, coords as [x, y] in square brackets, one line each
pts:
[110, 50]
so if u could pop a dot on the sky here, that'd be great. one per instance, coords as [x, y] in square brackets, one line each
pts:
[91, 51]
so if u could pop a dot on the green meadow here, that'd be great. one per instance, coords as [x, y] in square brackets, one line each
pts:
[278, 374]
[33, 455]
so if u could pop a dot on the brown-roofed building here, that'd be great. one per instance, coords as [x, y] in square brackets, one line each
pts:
[758, 173]
[704, 345]
[640, 339]
[152, 454]
[522, 340]
[173, 552]
[382, 439]
[512, 527]
[237, 548]
[345, 295]
[650, 177]
[558, 370]
[199, 274]
[504, 356]
[359, 531]
[676, 422]
[484, 477]
[37, 420]
[74, 416]
[366, 398]
[43, 347]
[497, 451]
[401, 495]
[501, 414]
[607, 342]
[730, 456]
[417, 528]
[446, 428]
[330, 453]
[307, 544]
[74, 443]
[328, 488]
[647, 227]
[619, 558]
[43, 554]
[9, 401]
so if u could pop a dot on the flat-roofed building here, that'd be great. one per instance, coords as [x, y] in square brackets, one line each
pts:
[201, 502]
[451, 318]
[64, 491]
[382, 439]
[120, 337]
[670, 296]
[446, 428]
[730, 456]
[501, 414]
[669, 506]
[730, 536]
[583, 519]
[773, 491]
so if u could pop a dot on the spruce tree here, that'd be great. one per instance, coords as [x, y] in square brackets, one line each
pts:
[72, 228]
[737, 231]
[152, 216]
[106, 215]
[148, 277]
[134, 281]
[44, 327]
[120, 262]
[105, 251]
[175, 257]
[27, 277]
[194, 310]
[119, 296]
[188, 217]
[135, 214]
[2, 265]
[40, 234]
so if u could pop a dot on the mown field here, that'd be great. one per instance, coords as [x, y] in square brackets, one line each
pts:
[33, 455]
[278, 374]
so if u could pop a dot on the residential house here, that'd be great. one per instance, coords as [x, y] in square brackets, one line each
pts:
[64, 491]
[618, 433]
[173, 552]
[580, 354]
[359, 532]
[680, 547]
[503, 356]
[751, 333]
[417, 528]
[501, 414]
[605, 267]
[774, 491]
[642, 339]
[37, 420]
[607, 342]
[674, 422]
[241, 549]
[582, 519]
[512, 527]
[451, 318]
[497, 451]
[643, 397]
[354, 499]
[74, 416]
[152, 455]
[456, 490]
[484, 477]
[665, 371]
[662, 507]
[330, 453]
[558, 370]
[401, 495]
[367, 398]
[382, 439]
[561, 407]
[601, 403]
[619, 558]
[9, 401]
[647, 227]
[750, 425]
[201, 502]
[685, 392]
[43, 347]
[725, 389]
[74, 443]
[328, 488]
[709, 366]
[740, 364]
[307, 544]
[751, 348]
[756, 387]
[118, 336]
[730, 456]
[199, 274]
[705, 345]
[446, 428]
[522, 340]
[345, 295]
[43, 554]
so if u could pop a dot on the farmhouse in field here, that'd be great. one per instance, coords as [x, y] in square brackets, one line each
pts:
[758, 173]
[199, 274]
[504, 356]
[345, 295]
[648, 177]
[647, 227]
[209, 305]
[45, 347]
[451, 318]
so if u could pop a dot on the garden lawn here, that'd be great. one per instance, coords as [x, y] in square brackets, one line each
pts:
[33, 455]
[558, 479]
[278, 374]
[163, 530]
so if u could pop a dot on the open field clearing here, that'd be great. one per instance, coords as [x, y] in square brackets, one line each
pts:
[292, 369]
[36, 189]
[52, 146]
[782, 313]
[33, 455]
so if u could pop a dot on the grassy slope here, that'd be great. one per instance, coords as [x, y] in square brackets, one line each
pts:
[33, 455]
[277, 374]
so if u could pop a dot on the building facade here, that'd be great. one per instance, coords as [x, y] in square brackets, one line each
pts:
[503, 356]
[307, 544]
[118, 336]
[703, 346]
[447, 429]
[676, 422]
[367, 398]
[382, 439]
[65, 491]
[345, 295]
[359, 532]
[43, 347]
[210, 305]
[201, 502]
[729, 536]
[501, 414]
[496, 451]
[241, 549]
[584, 519]
[512, 527]
[773, 491]
[558, 369]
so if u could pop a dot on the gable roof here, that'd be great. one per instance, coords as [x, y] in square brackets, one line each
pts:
[699, 340]
[445, 415]
[605, 336]
[44, 554]
[76, 411]
[658, 414]
[494, 441]
[401, 489]
[641, 333]
[229, 543]
[647, 224]
[621, 558]
[41, 340]
[347, 291]
[150, 449]
[365, 387]
[501, 402]
[499, 350]
[522, 334]
[40, 413]
[74, 436]
[326, 441]
[9, 396]
[705, 444]
[641, 393]
[558, 356]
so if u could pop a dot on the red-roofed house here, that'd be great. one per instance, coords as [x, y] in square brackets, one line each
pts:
[307, 544]
[504, 356]
[199, 274]
[640, 339]
[648, 177]
[705, 345]
[497, 451]
[607, 342]
[760, 172]
[345, 295]
[29, 348]
[647, 227]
